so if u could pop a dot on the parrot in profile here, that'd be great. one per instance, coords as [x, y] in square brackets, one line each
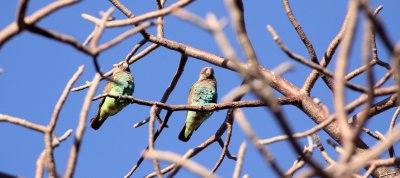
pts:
[120, 84]
[202, 93]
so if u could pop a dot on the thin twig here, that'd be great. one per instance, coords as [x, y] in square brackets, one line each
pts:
[366, 54]
[97, 34]
[373, 39]
[158, 132]
[339, 90]
[300, 32]
[326, 59]
[151, 140]
[134, 50]
[396, 66]
[21, 12]
[360, 70]
[301, 134]
[369, 171]
[23, 123]
[179, 160]
[122, 8]
[130, 14]
[242, 121]
[150, 15]
[192, 18]
[228, 153]
[376, 108]
[337, 147]
[239, 161]
[372, 134]
[236, 11]
[322, 150]
[224, 149]
[385, 78]
[190, 153]
[160, 20]
[377, 26]
[391, 126]
[299, 162]
[71, 165]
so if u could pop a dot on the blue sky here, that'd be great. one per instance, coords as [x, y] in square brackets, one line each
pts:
[37, 69]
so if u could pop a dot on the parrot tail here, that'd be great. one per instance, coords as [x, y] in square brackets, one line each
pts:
[182, 134]
[96, 122]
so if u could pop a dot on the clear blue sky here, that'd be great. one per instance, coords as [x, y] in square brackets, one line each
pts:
[36, 70]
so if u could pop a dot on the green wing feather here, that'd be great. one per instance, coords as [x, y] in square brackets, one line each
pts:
[109, 106]
[97, 121]
[195, 118]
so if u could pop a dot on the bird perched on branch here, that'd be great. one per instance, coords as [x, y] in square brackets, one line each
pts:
[121, 83]
[202, 93]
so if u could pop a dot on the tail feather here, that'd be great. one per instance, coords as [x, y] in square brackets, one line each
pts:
[182, 136]
[96, 122]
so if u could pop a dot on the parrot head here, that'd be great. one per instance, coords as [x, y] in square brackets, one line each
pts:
[206, 73]
[121, 66]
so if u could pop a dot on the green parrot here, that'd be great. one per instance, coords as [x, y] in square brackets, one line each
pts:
[122, 84]
[202, 93]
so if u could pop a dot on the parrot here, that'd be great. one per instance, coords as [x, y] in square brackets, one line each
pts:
[202, 93]
[122, 83]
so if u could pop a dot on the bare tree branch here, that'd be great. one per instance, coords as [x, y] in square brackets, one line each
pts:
[191, 165]
[80, 129]
[23, 123]
[239, 161]
[13, 29]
